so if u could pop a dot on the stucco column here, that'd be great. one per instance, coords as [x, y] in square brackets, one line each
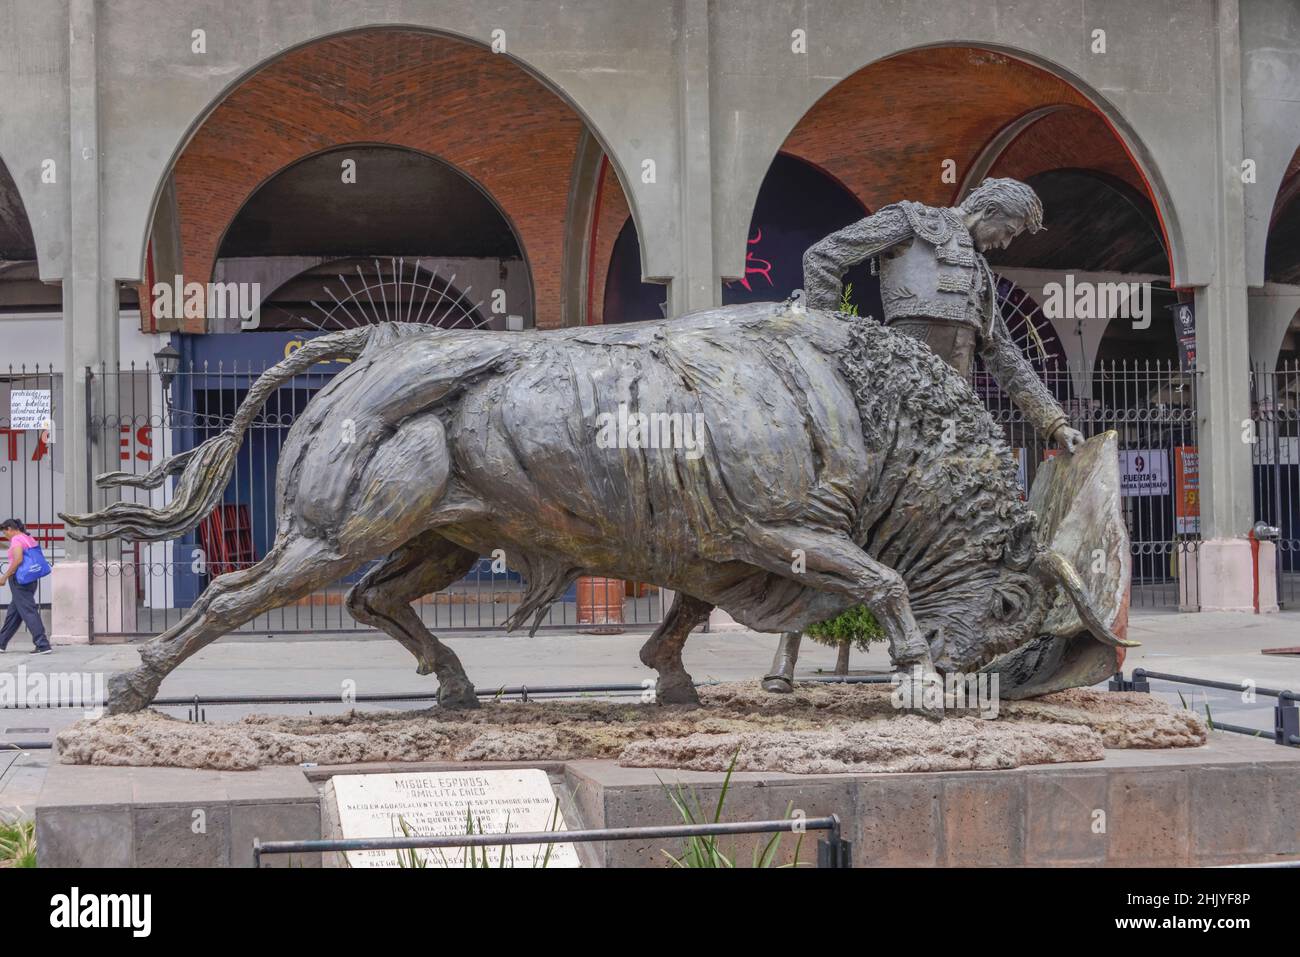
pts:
[89, 315]
[1226, 567]
[696, 285]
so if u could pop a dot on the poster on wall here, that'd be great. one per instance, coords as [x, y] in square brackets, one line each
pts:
[1143, 472]
[29, 408]
[1185, 330]
[1187, 490]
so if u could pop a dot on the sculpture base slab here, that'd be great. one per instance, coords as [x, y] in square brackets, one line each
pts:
[1132, 808]
[819, 728]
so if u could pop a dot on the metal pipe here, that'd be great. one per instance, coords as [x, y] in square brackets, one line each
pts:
[1207, 683]
[335, 698]
[1238, 729]
[789, 825]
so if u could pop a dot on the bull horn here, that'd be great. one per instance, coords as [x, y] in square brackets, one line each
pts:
[1054, 567]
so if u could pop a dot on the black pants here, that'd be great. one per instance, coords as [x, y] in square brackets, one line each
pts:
[23, 610]
[954, 342]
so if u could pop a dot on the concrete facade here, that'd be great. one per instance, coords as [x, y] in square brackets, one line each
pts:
[689, 100]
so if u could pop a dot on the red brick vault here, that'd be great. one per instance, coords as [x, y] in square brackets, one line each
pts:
[885, 131]
[478, 111]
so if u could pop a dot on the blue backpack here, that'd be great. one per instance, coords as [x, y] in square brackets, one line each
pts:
[33, 566]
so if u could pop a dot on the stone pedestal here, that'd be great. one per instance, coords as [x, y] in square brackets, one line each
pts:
[1221, 574]
[115, 606]
[1180, 807]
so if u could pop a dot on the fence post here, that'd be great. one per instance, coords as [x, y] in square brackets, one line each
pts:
[1139, 682]
[90, 504]
[835, 852]
[1286, 721]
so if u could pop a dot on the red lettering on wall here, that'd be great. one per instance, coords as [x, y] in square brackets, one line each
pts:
[144, 437]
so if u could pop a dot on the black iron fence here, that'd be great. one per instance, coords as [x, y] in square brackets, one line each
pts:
[1152, 407]
[136, 419]
[145, 588]
[31, 466]
[1275, 454]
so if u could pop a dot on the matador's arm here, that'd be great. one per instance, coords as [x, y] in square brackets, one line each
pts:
[825, 264]
[1018, 379]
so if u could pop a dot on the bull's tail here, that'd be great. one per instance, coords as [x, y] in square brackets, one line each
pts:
[204, 470]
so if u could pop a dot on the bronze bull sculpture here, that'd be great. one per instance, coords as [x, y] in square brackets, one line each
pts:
[836, 462]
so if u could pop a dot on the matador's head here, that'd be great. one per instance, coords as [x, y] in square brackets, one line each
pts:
[999, 210]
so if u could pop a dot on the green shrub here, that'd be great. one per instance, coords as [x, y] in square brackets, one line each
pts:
[856, 627]
[705, 851]
[18, 843]
[846, 301]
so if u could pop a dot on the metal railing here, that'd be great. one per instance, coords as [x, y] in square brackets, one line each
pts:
[832, 852]
[1286, 716]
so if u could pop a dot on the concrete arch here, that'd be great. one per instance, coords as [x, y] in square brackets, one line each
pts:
[19, 215]
[1274, 146]
[1188, 263]
[47, 225]
[1273, 308]
[482, 114]
[1270, 33]
[194, 95]
[1285, 197]
[36, 125]
[470, 180]
[997, 144]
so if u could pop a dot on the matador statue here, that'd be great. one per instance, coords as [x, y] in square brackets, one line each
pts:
[937, 286]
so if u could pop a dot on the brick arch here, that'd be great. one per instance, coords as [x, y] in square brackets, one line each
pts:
[1283, 220]
[885, 130]
[1060, 140]
[479, 112]
[612, 214]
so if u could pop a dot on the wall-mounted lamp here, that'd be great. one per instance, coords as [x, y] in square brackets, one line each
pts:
[169, 361]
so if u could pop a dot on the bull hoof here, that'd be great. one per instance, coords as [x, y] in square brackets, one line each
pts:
[457, 695]
[921, 690]
[677, 692]
[132, 691]
[929, 713]
[778, 684]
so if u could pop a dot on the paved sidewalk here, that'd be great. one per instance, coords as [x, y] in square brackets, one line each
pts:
[1219, 646]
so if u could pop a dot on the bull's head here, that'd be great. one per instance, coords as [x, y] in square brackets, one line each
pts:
[1009, 611]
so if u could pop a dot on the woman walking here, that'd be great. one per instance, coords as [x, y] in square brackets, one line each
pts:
[27, 566]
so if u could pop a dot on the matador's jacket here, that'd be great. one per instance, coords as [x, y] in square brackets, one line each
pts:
[930, 270]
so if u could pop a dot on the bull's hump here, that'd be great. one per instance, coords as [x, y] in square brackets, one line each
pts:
[776, 434]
